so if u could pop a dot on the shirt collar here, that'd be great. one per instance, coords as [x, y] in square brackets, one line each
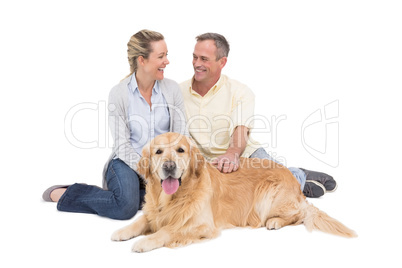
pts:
[133, 85]
[213, 89]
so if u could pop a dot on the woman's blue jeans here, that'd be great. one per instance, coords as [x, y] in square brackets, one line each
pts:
[121, 201]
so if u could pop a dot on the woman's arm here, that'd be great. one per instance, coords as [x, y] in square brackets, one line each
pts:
[179, 120]
[119, 127]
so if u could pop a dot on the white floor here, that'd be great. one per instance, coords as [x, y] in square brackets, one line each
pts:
[327, 77]
[35, 233]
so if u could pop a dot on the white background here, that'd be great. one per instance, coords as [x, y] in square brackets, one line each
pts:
[297, 57]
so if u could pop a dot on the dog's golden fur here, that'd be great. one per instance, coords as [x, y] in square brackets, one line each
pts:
[261, 193]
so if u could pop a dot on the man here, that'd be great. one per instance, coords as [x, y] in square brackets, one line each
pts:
[219, 111]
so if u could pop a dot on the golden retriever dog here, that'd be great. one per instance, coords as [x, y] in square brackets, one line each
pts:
[189, 200]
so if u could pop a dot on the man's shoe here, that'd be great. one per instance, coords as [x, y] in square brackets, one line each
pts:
[313, 189]
[324, 179]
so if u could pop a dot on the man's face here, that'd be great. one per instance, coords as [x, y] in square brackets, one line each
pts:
[206, 67]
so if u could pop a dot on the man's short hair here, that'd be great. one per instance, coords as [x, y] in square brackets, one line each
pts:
[221, 43]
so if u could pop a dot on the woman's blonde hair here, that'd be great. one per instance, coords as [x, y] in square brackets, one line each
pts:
[140, 45]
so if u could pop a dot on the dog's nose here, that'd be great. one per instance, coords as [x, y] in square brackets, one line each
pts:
[169, 166]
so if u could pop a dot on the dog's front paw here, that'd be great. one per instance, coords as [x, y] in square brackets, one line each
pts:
[122, 235]
[145, 244]
[275, 223]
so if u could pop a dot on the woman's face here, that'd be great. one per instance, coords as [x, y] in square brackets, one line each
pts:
[157, 60]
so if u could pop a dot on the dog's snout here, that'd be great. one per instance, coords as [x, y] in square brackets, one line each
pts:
[169, 166]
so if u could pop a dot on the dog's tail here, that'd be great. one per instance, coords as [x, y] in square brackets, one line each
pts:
[316, 219]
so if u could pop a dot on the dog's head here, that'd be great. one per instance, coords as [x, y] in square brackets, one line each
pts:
[170, 159]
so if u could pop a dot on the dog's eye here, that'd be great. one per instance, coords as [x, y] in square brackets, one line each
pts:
[180, 150]
[159, 151]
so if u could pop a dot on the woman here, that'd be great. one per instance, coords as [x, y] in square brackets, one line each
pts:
[141, 106]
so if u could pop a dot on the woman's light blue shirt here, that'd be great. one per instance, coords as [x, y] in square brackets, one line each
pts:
[146, 122]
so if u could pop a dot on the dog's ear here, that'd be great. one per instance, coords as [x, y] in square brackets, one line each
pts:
[197, 162]
[144, 165]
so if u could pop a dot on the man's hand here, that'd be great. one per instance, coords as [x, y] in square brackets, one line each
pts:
[230, 161]
[227, 163]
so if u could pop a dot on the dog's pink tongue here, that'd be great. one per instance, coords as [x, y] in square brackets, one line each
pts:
[170, 185]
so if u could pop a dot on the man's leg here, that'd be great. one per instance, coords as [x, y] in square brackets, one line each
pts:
[309, 184]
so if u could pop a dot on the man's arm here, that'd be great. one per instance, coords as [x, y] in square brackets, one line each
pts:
[230, 161]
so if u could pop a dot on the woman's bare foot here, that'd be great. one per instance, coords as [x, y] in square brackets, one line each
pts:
[57, 193]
